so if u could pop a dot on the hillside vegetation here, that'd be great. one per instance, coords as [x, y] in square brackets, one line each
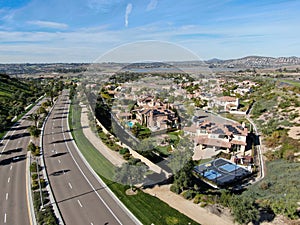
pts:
[15, 95]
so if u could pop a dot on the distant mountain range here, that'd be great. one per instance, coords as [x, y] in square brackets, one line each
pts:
[255, 62]
[248, 62]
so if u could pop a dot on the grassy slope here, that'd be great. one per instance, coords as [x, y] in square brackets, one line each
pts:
[96, 160]
[295, 83]
[148, 209]
[279, 189]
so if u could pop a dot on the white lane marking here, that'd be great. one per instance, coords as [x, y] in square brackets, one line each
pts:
[19, 142]
[92, 224]
[6, 196]
[59, 161]
[4, 218]
[88, 181]
[70, 185]
[8, 180]
[6, 143]
[79, 203]
[10, 168]
[54, 144]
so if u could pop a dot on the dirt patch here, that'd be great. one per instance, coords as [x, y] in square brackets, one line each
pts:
[131, 192]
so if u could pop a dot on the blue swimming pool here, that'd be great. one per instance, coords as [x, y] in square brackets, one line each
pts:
[130, 124]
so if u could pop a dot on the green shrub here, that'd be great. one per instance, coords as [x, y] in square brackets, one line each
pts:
[189, 194]
[197, 198]
[35, 185]
[43, 183]
[33, 168]
[203, 204]
[34, 176]
[133, 161]
[225, 198]
[127, 156]
[124, 151]
[174, 188]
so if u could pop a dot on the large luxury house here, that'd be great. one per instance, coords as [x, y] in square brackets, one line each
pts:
[227, 137]
[228, 103]
[149, 112]
[154, 114]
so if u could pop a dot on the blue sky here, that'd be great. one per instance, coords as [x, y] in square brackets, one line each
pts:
[83, 30]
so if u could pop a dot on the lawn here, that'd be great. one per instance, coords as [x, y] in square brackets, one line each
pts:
[148, 209]
[92, 155]
[295, 83]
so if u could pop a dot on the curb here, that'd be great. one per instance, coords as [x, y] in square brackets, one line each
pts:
[45, 174]
[31, 211]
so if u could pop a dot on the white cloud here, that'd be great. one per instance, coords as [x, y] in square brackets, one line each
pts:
[127, 12]
[48, 24]
[102, 5]
[152, 5]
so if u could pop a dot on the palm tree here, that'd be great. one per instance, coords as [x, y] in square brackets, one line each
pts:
[41, 110]
[35, 117]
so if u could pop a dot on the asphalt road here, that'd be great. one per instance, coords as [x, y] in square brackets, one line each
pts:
[13, 150]
[80, 197]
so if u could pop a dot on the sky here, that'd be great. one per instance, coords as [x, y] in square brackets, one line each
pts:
[43, 31]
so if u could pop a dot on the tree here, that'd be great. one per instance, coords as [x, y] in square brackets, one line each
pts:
[183, 179]
[34, 131]
[35, 117]
[41, 110]
[181, 155]
[131, 174]
[244, 209]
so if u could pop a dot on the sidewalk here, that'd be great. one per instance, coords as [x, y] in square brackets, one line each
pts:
[114, 157]
[188, 208]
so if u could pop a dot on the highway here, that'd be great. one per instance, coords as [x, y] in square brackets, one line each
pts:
[80, 196]
[13, 198]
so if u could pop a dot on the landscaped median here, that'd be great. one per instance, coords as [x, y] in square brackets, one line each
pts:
[147, 208]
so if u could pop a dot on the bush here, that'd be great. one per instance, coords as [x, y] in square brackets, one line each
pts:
[33, 168]
[225, 198]
[197, 198]
[123, 151]
[174, 188]
[34, 176]
[265, 185]
[35, 185]
[244, 209]
[133, 161]
[188, 194]
[43, 183]
[127, 156]
[203, 204]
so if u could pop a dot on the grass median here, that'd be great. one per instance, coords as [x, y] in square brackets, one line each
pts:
[148, 209]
